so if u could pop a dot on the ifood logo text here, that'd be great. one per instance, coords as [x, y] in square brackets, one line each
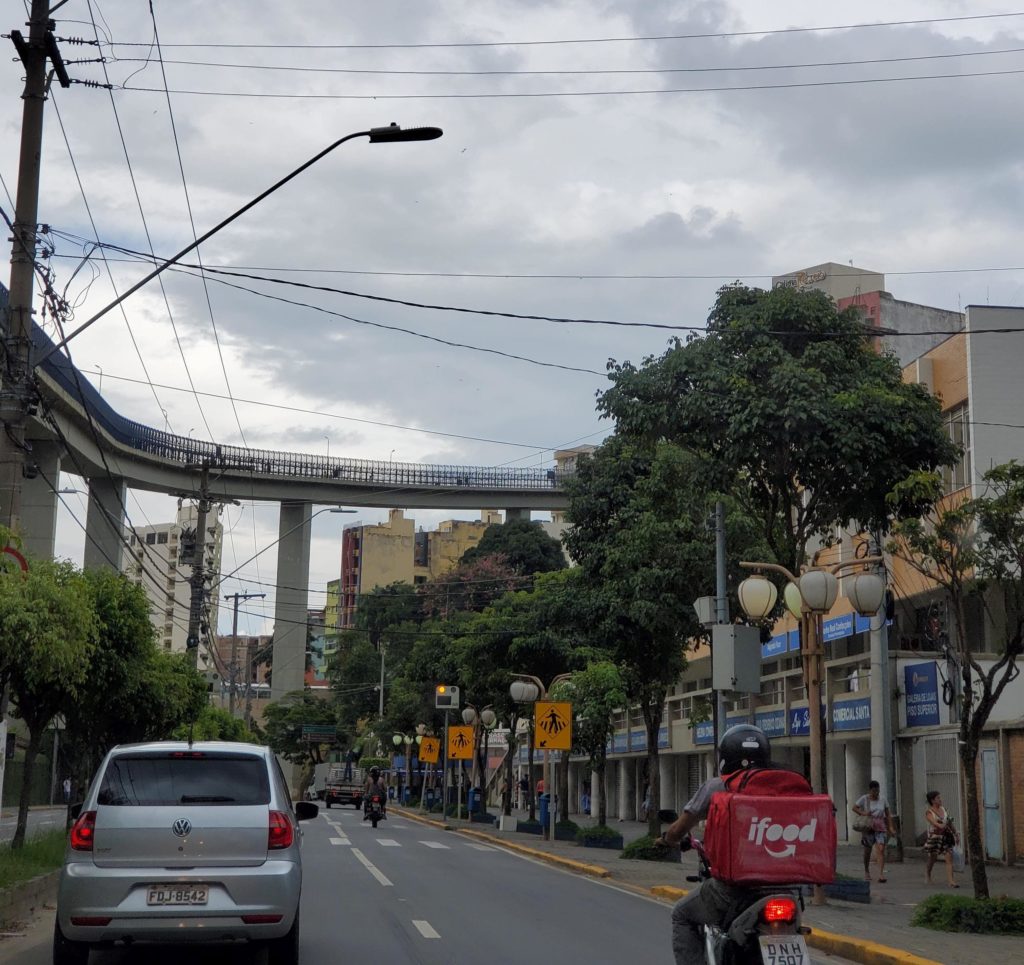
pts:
[763, 831]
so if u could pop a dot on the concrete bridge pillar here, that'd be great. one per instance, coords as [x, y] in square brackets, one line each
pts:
[104, 524]
[511, 514]
[292, 599]
[39, 501]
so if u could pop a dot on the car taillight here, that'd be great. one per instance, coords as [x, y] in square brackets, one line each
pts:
[93, 920]
[261, 919]
[281, 832]
[83, 831]
[779, 910]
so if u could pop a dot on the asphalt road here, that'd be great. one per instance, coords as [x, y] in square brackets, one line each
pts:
[39, 819]
[411, 893]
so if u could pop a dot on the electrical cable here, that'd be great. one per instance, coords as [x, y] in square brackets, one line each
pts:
[578, 71]
[600, 40]
[500, 95]
[145, 228]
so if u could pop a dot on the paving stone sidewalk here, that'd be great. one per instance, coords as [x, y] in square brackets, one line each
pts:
[885, 920]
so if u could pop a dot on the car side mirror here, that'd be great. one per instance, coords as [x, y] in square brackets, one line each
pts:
[668, 817]
[305, 810]
[75, 810]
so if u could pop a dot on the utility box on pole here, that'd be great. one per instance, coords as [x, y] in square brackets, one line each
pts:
[736, 658]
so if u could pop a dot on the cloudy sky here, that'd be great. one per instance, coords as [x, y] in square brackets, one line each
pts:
[625, 180]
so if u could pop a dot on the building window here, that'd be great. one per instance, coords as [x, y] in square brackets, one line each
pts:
[150, 539]
[958, 426]
[161, 538]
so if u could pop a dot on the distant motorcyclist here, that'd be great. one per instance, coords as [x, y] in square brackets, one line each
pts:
[374, 785]
[741, 747]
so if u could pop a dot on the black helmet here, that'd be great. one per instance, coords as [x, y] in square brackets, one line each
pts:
[374, 772]
[743, 746]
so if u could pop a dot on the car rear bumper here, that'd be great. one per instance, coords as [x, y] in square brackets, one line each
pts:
[86, 891]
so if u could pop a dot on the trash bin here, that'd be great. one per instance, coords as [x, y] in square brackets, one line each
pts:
[429, 797]
[406, 794]
[474, 800]
[545, 800]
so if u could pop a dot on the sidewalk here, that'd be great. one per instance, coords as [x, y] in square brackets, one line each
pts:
[885, 921]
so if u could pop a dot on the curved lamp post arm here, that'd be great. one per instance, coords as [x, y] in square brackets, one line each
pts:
[772, 567]
[377, 135]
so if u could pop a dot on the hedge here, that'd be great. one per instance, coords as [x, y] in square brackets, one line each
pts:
[981, 916]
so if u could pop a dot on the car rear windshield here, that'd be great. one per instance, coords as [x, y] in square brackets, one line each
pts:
[166, 779]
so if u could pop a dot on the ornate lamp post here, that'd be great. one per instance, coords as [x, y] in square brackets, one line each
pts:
[487, 720]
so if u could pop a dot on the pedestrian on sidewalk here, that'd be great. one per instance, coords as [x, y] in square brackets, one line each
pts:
[875, 807]
[942, 838]
[67, 790]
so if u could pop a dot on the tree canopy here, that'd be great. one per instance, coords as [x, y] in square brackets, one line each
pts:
[789, 404]
[523, 546]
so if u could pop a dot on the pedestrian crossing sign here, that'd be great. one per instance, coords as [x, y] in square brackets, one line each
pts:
[460, 743]
[552, 730]
[430, 750]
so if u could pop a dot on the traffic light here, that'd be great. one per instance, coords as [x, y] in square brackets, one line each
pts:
[446, 697]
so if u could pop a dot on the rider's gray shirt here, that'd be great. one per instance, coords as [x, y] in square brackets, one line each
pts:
[700, 802]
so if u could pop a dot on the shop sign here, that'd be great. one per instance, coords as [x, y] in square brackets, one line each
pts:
[772, 722]
[852, 714]
[922, 687]
[800, 721]
[704, 732]
[837, 628]
[774, 647]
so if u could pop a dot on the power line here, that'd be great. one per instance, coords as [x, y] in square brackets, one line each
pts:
[496, 95]
[595, 40]
[579, 71]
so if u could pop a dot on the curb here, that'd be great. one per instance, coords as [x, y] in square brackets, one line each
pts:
[26, 898]
[581, 867]
[856, 949]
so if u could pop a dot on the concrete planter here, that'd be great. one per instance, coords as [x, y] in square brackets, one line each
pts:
[525, 827]
[482, 818]
[610, 844]
[565, 834]
[846, 889]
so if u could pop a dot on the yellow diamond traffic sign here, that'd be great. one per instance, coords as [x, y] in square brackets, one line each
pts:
[460, 743]
[552, 729]
[430, 750]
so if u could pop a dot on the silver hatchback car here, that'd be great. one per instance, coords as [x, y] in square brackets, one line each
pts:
[179, 842]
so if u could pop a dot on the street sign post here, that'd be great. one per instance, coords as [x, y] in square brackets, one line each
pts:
[319, 733]
[430, 750]
[553, 726]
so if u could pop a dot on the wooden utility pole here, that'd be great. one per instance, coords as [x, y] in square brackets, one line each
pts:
[16, 369]
[233, 669]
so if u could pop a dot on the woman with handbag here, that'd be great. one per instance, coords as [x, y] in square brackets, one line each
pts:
[942, 838]
[873, 822]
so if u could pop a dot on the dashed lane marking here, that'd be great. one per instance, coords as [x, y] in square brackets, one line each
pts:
[479, 847]
[388, 843]
[425, 929]
[435, 844]
[340, 841]
[372, 868]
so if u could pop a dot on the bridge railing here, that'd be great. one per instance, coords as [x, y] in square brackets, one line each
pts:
[197, 452]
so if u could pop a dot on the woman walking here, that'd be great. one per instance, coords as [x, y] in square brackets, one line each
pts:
[942, 838]
[875, 808]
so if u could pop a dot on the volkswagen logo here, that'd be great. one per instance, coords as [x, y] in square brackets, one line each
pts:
[182, 827]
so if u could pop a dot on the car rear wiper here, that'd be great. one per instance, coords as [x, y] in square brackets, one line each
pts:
[205, 799]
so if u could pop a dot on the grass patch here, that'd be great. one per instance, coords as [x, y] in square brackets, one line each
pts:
[978, 916]
[597, 833]
[40, 854]
[644, 849]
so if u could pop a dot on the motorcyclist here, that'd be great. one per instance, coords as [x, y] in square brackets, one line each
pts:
[374, 785]
[714, 902]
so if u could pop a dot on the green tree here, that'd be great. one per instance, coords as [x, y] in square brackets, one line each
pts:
[473, 585]
[638, 531]
[47, 636]
[282, 731]
[791, 407]
[974, 550]
[388, 606]
[523, 545]
[596, 693]
[214, 724]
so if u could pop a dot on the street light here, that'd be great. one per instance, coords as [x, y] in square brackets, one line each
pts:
[488, 720]
[377, 135]
[525, 689]
[808, 596]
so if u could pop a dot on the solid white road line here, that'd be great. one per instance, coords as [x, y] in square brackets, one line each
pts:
[425, 929]
[435, 844]
[388, 843]
[372, 868]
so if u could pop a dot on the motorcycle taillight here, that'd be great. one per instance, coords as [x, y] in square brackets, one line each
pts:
[779, 910]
